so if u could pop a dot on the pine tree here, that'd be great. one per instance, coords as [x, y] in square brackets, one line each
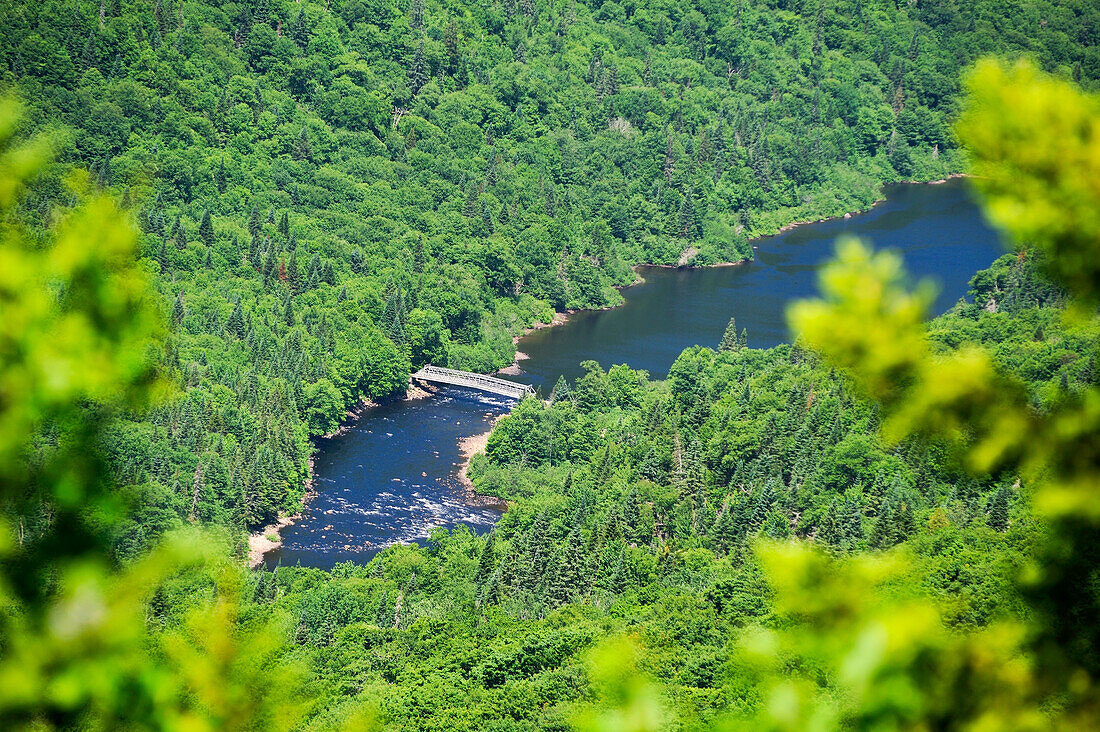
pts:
[219, 176]
[284, 224]
[416, 15]
[729, 338]
[162, 256]
[418, 71]
[254, 221]
[998, 510]
[206, 229]
[302, 148]
[178, 310]
[487, 562]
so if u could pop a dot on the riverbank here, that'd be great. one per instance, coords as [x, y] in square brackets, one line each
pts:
[270, 537]
[685, 262]
[646, 336]
[470, 446]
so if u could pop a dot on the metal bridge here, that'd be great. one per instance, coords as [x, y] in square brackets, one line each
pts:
[440, 375]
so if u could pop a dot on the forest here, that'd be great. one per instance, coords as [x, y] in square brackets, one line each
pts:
[331, 195]
[225, 225]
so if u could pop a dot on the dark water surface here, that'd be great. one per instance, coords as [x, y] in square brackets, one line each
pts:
[937, 228]
[392, 477]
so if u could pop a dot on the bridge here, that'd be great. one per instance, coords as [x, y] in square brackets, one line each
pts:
[491, 384]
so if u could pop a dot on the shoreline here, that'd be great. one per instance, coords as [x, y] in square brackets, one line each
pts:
[468, 447]
[560, 318]
[259, 542]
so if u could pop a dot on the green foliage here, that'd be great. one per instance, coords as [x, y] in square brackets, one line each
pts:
[339, 194]
[82, 646]
[1038, 670]
[331, 195]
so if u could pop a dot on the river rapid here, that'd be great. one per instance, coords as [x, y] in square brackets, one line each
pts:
[393, 476]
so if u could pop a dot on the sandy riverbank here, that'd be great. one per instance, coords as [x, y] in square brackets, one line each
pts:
[470, 446]
[270, 537]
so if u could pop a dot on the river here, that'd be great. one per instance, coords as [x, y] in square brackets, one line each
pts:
[392, 476]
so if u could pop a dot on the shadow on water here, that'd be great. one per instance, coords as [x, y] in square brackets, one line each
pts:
[393, 476]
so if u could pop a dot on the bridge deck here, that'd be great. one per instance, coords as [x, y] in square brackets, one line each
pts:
[440, 375]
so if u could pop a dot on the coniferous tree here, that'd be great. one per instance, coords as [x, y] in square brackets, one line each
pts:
[303, 150]
[178, 310]
[487, 561]
[299, 33]
[450, 44]
[418, 71]
[998, 510]
[730, 341]
[235, 324]
[206, 229]
[178, 234]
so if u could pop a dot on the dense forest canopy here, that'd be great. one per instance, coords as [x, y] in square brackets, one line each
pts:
[331, 195]
[225, 224]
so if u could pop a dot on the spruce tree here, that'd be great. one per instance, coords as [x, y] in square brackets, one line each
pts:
[302, 148]
[729, 338]
[472, 209]
[299, 33]
[292, 276]
[487, 561]
[450, 44]
[234, 325]
[178, 310]
[418, 71]
[178, 234]
[998, 510]
[206, 229]
[383, 615]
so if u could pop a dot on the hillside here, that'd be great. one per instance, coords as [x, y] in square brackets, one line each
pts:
[332, 194]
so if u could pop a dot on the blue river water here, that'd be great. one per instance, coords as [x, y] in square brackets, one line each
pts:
[393, 475]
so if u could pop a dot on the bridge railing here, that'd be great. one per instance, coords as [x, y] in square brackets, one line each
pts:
[477, 381]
